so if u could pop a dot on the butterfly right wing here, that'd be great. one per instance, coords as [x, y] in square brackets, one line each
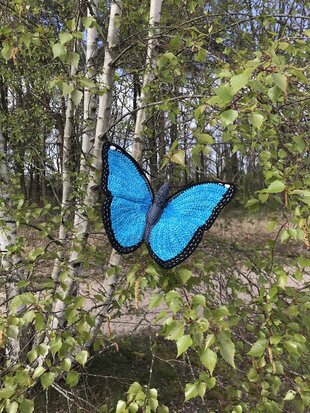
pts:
[184, 219]
[128, 198]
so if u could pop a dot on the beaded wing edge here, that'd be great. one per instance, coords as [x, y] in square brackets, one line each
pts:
[195, 240]
[106, 207]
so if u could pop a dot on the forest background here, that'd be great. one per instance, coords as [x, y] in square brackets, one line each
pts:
[195, 91]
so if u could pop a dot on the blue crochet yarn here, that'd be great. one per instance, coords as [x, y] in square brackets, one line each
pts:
[182, 217]
[131, 199]
[171, 227]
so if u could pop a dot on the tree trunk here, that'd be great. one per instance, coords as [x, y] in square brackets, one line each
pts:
[151, 57]
[10, 262]
[66, 150]
[81, 222]
[89, 113]
[110, 283]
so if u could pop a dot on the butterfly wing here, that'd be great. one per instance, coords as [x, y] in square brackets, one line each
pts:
[128, 198]
[184, 219]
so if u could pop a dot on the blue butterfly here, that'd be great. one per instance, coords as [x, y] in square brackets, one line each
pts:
[171, 227]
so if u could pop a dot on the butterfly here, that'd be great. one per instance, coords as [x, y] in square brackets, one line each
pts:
[171, 227]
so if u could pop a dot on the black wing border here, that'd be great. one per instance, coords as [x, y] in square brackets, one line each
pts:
[106, 206]
[195, 240]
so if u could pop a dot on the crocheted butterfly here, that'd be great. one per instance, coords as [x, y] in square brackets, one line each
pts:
[171, 227]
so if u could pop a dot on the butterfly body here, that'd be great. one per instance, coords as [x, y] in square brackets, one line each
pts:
[171, 227]
[156, 209]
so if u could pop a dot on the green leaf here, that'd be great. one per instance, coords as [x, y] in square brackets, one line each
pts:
[191, 391]
[32, 355]
[290, 395]
[134, 388]
[199, 299]
[227, 348]
[12, 331]
[153, 403]
[74, 59]
[88, 21]
[228, 117]
[178, 157]
[66, 364]
[275, 187]
[258, 348]
[204, 139]
[47, 379]
[210, 339]
[28, 316]
[33, 255]
[6, 52]
[82, 357]
[239, 81]
[133, 407]
[256, 120]
[183, 343]
[67, 88]
[55, 344]
[274, 93]
[58, 50]
[155, 300]
[209, 359]
[65, 37]
[280, 80]
[185, 275]
[201, 388]
[42, 349]
[224, 95]
[174, 330]
[85, 82]
[291, 346]
[26, 406]
[38, 372]
[76, 96]
[121, 407]
[7, 392]
[12, 407]
[72, 378]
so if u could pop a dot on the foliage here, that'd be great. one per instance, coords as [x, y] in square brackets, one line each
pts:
[229, 100]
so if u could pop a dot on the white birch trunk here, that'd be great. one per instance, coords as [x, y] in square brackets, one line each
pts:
[110, 283]
[10, 264]
[89, 113]
[151, 57]
[81, 221]
[66, 178]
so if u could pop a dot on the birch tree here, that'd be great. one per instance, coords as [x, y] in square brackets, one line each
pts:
[151, 55]
[10, 262]
[81, 222]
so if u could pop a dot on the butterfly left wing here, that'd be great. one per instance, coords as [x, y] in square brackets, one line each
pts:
[128, 198]
[184, 219]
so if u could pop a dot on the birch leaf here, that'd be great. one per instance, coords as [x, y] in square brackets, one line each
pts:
[209, 359]
[257, 120]
[228, 117]
[183, 343]
[59, 50]
[239, 81]
[76, 96]
[227, 348]
[280, 80]
[178, 157]
[258, 348]
[275, 187]
[65, 37]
